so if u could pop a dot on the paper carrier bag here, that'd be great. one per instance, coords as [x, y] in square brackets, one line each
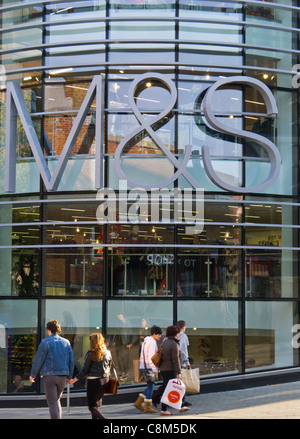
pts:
[191, 379]
[173, 394]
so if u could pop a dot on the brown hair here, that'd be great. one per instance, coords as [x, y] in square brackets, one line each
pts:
[172, 331]
[181, 324]
[54, 326]
[97, 346]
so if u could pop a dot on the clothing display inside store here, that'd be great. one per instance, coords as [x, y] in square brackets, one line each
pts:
[136, 275]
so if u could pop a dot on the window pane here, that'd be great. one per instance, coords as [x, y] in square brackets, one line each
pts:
[19, 270]
[272, 273]
[269, 335]
[78, 319]
[141, 272]
[212, 329]
[18, 341]
[75, 272]
[127, 323]
[209, 274]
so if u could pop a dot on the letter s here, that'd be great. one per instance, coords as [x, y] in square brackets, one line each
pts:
[272, 150]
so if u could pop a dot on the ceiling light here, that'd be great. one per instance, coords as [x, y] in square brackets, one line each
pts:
[57, 72]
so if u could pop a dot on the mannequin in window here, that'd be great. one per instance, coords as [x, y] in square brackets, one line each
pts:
[27, 278]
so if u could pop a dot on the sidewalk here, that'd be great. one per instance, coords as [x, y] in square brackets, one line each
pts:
[279, 401]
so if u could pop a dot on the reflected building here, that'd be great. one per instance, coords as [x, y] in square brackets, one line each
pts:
[235, 281]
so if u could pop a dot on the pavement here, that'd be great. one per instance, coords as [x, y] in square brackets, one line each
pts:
[277, 401]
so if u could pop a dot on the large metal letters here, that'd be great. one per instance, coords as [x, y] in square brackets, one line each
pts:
[15, 105]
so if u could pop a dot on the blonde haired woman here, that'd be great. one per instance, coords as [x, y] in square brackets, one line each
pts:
[96, 369]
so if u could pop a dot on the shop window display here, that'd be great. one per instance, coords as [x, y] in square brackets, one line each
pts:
[140, 271]
[209, 274]
[18, 343]
[24, 275]
[264, 274]
[20, 354]
[142, 274]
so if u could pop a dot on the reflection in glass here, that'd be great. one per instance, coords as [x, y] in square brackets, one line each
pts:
[78, 319]
[121, 125]
[269, 335]
[76, 272]
[156, 7]
[212, 329]
[128, 321]
[60, 96]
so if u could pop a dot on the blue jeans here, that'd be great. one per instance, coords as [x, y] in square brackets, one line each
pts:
[150, 387]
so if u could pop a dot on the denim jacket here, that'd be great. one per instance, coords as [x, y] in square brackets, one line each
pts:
[53, 357]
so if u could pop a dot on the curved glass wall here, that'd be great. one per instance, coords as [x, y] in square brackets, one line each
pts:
[235, 281]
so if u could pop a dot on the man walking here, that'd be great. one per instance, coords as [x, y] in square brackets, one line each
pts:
[54, 361]
[184, 343]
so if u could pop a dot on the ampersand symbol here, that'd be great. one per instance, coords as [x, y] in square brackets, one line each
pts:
[272, 150]
[145, 127]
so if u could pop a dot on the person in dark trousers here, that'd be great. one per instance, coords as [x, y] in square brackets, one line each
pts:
[170, 366]
[54, 361]
[96, 369]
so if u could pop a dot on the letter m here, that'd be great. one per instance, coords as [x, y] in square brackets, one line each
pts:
[16, 105]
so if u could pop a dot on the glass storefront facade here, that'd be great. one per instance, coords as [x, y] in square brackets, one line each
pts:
[236, 282]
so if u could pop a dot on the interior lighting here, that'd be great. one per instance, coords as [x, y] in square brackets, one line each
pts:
[255, 102]
[62, 10]
[57, 72]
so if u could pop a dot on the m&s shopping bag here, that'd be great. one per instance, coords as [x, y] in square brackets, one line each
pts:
[173, 394]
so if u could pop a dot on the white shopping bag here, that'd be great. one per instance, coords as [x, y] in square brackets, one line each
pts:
[173, 394]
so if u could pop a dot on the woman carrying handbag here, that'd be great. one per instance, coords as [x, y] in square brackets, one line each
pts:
[96, 369]
[148, 369]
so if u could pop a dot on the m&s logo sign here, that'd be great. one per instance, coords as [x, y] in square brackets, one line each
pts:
[15, 105]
